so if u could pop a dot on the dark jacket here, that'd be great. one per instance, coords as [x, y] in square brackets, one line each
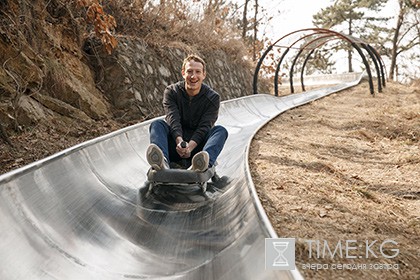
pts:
[190, 117]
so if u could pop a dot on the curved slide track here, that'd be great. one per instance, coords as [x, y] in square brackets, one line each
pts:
[83, 213]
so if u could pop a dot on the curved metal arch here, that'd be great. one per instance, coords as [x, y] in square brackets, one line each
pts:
[276, 75]
[260, 61]
[370, 50]
[355, 43]
[269, 48]
[305, 62]
[303, 68]
[381, 64]
[283, 56]
[329, 34]
[375, 62]
[299, 53]
[374, 56]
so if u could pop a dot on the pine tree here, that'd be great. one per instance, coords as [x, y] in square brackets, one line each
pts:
[349, 15]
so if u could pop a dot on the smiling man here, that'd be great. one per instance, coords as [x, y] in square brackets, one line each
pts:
[189, 130]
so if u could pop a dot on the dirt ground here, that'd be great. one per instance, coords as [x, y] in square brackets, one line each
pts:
[345, 171]
[345, 167]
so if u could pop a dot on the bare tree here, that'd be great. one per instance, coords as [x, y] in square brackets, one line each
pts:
[245, 19]
[254, 43]
[402, 30]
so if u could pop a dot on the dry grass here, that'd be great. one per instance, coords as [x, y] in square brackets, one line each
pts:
[192, 24]
[345, 168]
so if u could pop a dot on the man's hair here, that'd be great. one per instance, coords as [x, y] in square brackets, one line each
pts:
[196, 58]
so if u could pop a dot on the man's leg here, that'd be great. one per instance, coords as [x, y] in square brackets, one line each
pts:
[158, 152]
[215, 141]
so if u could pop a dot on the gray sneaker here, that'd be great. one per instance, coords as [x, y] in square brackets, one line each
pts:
[200, 161]
[155, 158]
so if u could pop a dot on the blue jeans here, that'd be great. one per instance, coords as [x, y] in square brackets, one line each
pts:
[212, 144]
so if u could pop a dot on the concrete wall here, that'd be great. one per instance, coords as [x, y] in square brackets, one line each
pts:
[135, 76]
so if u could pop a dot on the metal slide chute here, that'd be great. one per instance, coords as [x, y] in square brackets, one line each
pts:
[77, 214]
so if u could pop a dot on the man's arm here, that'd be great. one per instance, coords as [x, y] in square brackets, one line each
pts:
[173, 116]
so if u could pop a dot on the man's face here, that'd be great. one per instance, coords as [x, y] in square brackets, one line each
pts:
[193, 75]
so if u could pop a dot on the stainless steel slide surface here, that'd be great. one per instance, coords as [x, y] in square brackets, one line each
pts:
[79, 214]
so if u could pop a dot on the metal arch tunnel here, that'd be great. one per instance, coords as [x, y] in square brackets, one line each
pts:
[322, 35]
[77, 214]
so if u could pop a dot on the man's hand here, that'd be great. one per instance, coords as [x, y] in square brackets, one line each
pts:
[183, 148]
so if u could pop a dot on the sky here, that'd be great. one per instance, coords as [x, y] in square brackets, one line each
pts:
[291, 15]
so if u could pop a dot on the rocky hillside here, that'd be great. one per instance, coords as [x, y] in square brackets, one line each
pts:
[56, 75]
[54, 71]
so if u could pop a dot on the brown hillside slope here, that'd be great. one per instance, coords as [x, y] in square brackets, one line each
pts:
[346, 167]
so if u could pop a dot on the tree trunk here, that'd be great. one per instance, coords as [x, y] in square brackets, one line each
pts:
[349, 52]
[254, 56]
[245, 20]
[350, 58]
[394, 50]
